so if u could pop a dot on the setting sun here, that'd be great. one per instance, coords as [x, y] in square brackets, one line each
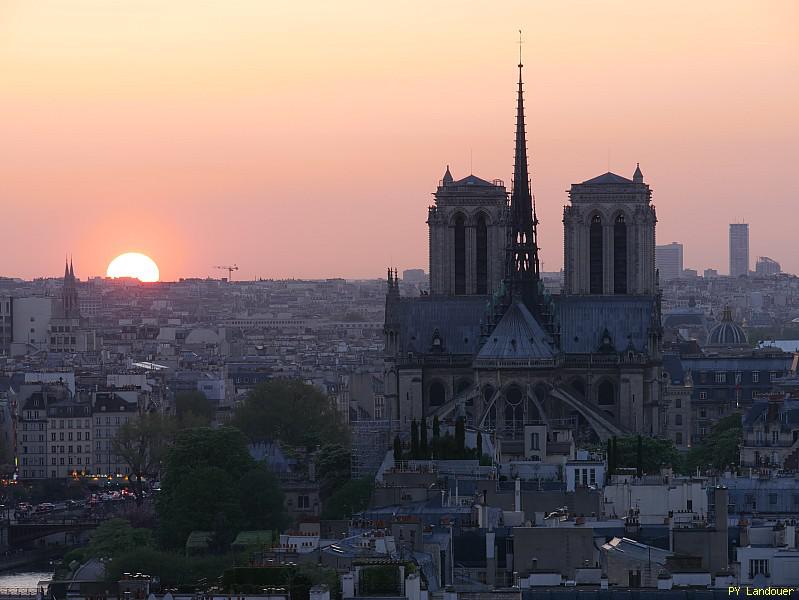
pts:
[134, 264]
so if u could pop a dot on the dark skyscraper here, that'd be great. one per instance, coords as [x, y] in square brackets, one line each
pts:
[739, 249]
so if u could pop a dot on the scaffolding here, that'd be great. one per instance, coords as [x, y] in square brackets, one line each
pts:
[370, 442]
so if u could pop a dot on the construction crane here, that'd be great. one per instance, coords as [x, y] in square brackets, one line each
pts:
[229, 269]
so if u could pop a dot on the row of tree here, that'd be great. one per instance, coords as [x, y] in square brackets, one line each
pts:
[647, 455]
[443, 447]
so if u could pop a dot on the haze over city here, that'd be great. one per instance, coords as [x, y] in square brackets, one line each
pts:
[305, 140]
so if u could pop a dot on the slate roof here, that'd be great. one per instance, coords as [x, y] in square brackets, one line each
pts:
[111, 402]
[457, 320]
[583, 320]
[517, 335]
[673, 366]
[472, 180]
[608, 178]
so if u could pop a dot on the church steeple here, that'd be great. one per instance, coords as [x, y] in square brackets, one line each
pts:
[69, 291]
[521, 266]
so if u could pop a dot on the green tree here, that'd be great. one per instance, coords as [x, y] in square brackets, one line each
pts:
[639, 457]
[655, 453]
[460, 435]
[414, 439]
[436, 427]
[350, 498]
[142, 443]
[479, 444]
[262, 500]
[292, 412]
[193, 409]
[333, 467]
[721, 449]
[116, 536]
[208, 472]
[423, 440]
[397, 449]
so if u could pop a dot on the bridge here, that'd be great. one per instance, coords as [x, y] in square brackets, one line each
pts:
[22, 534]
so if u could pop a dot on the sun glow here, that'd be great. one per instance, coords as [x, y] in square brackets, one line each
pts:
[134, 264]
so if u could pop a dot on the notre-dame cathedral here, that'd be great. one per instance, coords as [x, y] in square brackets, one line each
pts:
[491, 344]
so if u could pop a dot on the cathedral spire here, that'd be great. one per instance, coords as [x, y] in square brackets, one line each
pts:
[521, 266]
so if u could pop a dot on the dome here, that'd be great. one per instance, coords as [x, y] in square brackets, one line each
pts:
[727, 333]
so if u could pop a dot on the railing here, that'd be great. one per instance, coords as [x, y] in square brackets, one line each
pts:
[18, 592]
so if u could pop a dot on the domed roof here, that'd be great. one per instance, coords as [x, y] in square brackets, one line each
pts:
[727, 333]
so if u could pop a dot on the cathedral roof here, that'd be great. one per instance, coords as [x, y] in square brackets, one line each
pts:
[517, 335]
[608, 178]
[584, 320]
[472, 180]
[456, 320]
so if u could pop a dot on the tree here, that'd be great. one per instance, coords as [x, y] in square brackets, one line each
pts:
[292, 412]
[655, 453]
[397, 449]
[423, 440]
[208, 472]
[720, 450]
[639, 457]
[436, 427]
[460, 435]
[261, 499]
[350, 498]
[333, 467]
[609, 454]
[414, 439]
[142, 443]
[480, 444]
[193, 409]
[116, 536]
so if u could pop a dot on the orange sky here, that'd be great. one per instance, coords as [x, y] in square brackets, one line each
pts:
[304, 139]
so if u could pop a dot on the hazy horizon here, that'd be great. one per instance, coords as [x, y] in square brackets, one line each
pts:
[306, 140]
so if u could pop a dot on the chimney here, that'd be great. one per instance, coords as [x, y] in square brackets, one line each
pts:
[413, 587]
[319, 592]
[348, 585]
[665, 581]
[491, 561]
[517, 500]
[722, 515]
[743, 533]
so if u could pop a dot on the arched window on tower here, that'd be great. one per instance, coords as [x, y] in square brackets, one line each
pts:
[460, 255]
[481, 242]
[595, 255]
[620, 256]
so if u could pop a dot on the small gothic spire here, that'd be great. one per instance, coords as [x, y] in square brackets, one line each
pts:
[71, 269]
[447, 177]
[638, 177]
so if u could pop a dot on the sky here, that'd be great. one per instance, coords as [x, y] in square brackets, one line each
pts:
[304, 139]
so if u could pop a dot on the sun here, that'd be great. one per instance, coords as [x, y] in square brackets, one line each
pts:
[134, 264]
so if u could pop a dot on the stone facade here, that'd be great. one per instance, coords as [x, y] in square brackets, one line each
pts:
[467, 229]
[609, 237]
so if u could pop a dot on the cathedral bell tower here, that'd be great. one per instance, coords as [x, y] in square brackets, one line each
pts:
[609, 237]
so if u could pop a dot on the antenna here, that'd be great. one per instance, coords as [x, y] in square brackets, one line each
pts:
[520, 47]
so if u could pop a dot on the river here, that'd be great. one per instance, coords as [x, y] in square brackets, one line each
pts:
[24, 578]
